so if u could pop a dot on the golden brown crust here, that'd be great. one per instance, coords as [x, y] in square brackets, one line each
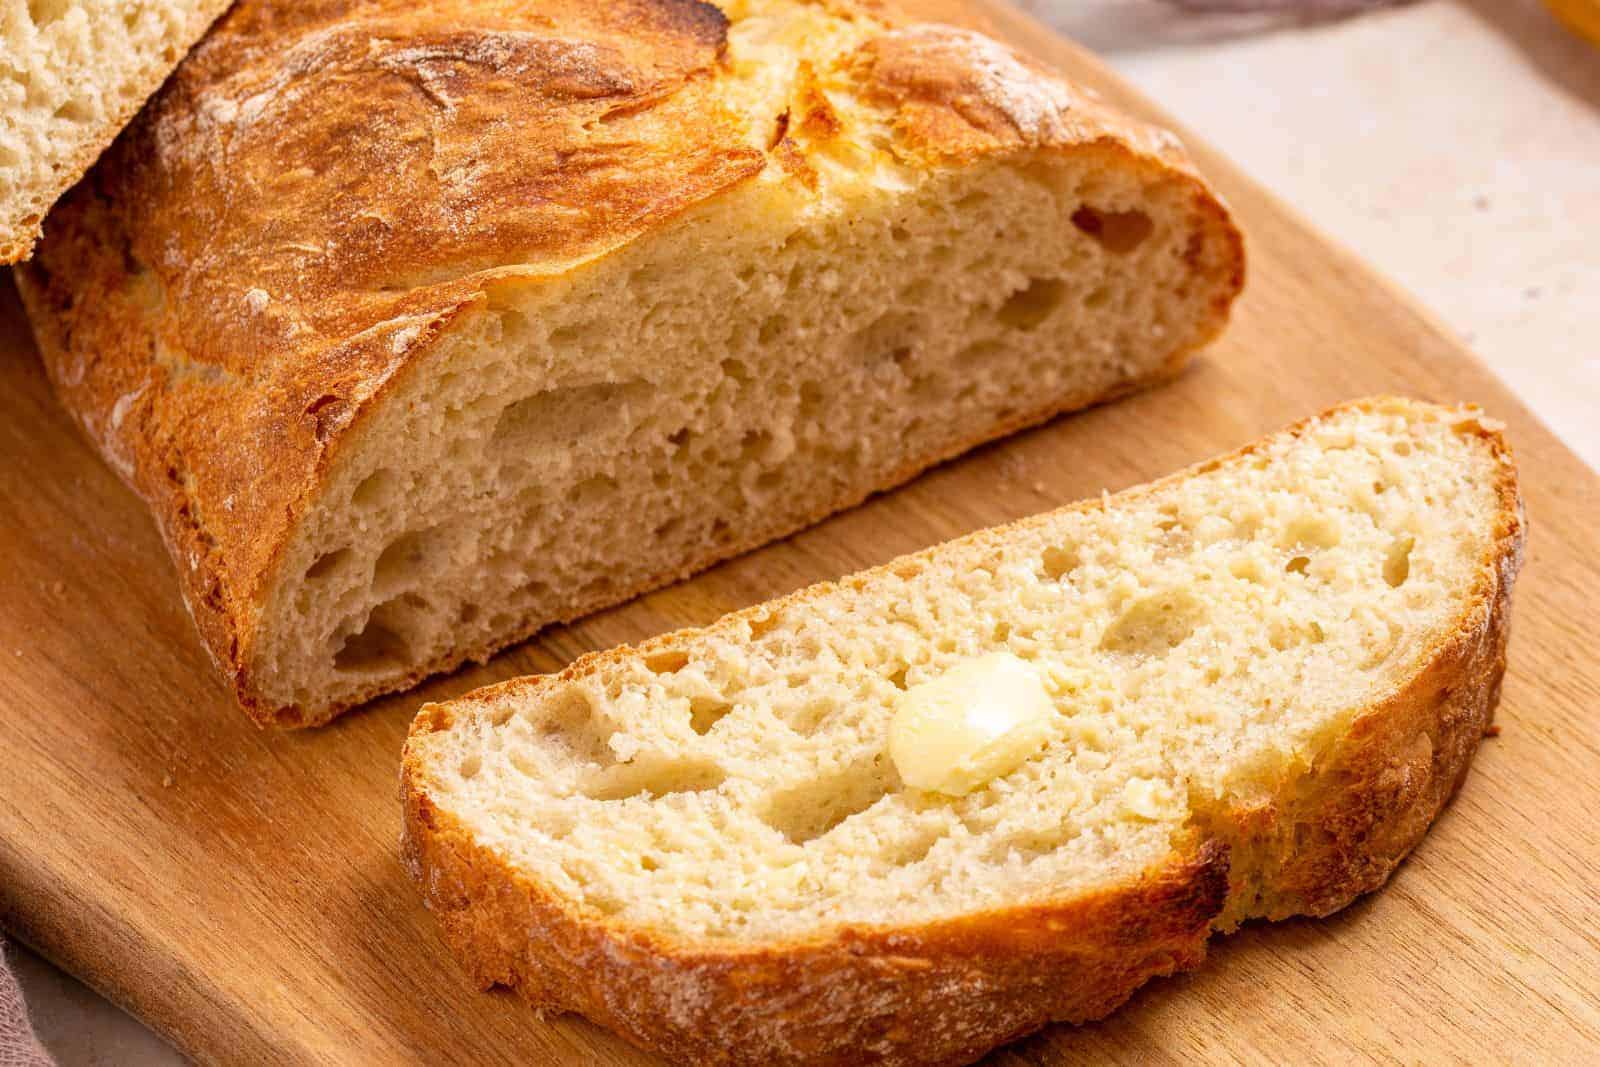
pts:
[950, 991]
[254, 268]
[937, 993]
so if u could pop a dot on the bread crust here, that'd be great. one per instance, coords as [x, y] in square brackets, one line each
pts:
[947, 992]
[223, 319]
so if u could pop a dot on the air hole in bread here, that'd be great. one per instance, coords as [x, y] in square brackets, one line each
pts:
[753, 446]
[670, 661]
[897, 677]
[761, 625]
[890, 332]
[470, 766]
[376, 489]
[405, 556]
[44, 12]
[75, 110]
[913, 848]
[771, 327]
[1119, 232]
[377, 646]
[558, 416]
[1058, 561]
[656, 777]
[808, 718]
[571, 724]
[1154, 625]
[327, 563]
[1284, 634]
[1029, 306]
[1246, 568]
[1298, 565]
[818, 807]
[1397, 564]
[706, 712]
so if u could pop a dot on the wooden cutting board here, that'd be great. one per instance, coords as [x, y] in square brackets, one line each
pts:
[240, 890]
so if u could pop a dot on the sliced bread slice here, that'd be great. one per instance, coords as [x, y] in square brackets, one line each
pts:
[72, 73]
[1242, 691]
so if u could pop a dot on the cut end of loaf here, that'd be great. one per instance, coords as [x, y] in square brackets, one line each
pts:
[542, 470]
[1205, 640]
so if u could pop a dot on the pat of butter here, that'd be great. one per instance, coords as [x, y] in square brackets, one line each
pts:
[975, 722]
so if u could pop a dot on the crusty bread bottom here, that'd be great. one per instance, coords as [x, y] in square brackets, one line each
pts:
[578, 441]
[550, 873]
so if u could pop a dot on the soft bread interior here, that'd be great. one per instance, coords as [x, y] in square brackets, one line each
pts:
[770, 358]
[71, 73]
[1201, 639]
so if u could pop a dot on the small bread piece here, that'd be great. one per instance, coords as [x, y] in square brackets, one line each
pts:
[72, 73]
[422, 326]
[1269, 673]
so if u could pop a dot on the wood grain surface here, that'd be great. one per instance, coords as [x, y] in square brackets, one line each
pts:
[240, 889]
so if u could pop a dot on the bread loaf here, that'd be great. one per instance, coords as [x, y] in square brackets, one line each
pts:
[423, 326]
[72, 73]
[907, 817]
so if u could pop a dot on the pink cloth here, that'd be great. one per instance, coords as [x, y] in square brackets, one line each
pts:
[18, 1046]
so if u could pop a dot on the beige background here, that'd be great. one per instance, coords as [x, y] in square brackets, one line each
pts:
[1454, 143]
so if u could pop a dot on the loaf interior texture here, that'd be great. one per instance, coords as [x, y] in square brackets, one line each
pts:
[726, 273]
[1268, 673]
[72, 73]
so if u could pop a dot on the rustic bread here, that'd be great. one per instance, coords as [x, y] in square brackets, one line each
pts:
[1264, 677]
[72, 73]
[423, 326]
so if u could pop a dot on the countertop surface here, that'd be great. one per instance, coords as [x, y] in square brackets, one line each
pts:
[1451, 143]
